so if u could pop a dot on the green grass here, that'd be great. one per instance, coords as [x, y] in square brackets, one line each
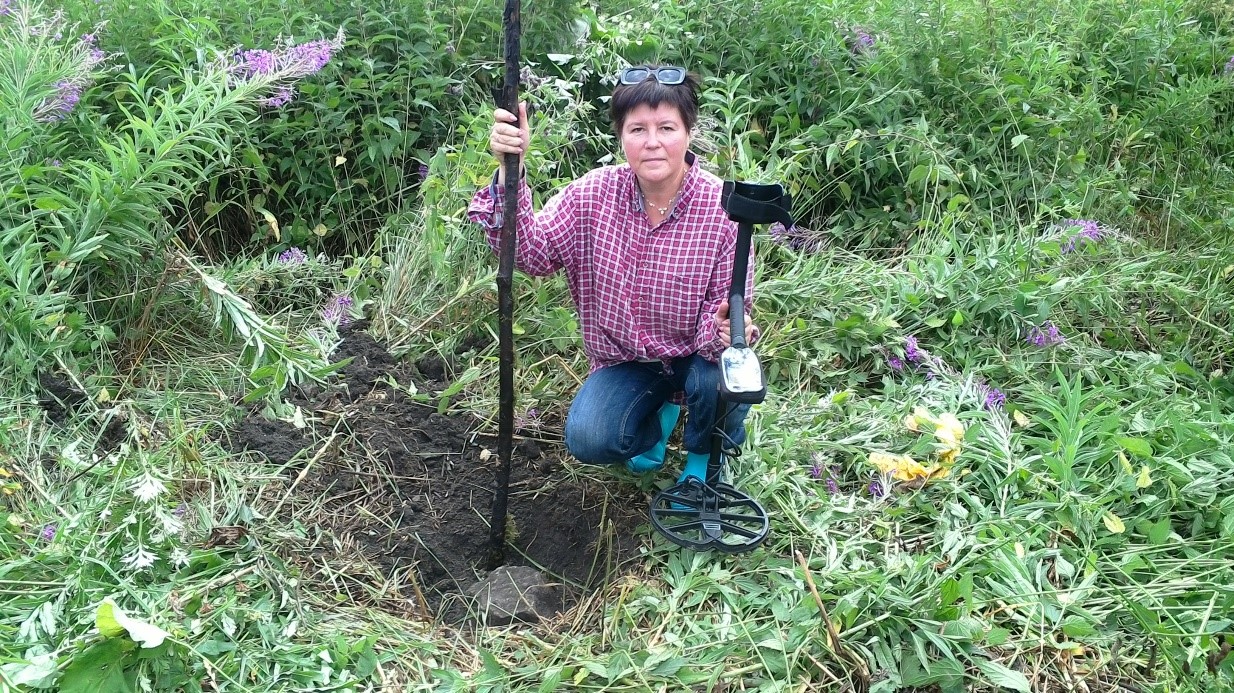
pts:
[1010, 569]
[1083, 539]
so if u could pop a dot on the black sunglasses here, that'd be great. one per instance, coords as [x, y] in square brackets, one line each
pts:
[668, 75]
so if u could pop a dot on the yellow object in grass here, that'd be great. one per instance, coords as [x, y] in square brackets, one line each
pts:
[905, 468]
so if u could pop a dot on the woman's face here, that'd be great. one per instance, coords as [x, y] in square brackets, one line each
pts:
[655, 141]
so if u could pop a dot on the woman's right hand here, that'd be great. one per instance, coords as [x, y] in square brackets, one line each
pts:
[509, 136]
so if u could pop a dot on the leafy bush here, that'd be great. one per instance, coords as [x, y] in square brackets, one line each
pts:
[87, 248]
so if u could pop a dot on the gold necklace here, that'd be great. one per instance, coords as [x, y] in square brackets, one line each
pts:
[662, 211]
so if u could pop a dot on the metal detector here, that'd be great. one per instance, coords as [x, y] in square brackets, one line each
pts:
[712, 514]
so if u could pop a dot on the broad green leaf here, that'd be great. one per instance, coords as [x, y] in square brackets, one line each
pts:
[1018, 140]
[1159, 532]
[1113, 523]
[1001, 675]
[669, 667]
[1076, 627]
[1136, 446]
[551, 682]
[99, 669]
[997, 637]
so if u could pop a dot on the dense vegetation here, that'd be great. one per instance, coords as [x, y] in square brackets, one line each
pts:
[1012, 274]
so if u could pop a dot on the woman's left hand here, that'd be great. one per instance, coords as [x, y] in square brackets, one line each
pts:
[725, 326]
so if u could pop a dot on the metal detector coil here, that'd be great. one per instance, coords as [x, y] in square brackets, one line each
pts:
[712, 514]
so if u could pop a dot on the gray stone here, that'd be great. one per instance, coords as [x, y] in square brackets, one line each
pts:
[515, 593]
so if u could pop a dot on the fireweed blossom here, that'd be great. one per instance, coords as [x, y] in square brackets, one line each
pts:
[335, 311]
[912, 352]
[5, 8]
[282, 66]
[292, 256]
[86, 57]
[797, 237]
[1089, 232]
[861, 42]
[1047, 335]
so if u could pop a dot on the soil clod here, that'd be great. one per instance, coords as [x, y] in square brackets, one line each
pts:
[515, 593]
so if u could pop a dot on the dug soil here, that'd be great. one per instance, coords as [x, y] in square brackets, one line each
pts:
[413, 488]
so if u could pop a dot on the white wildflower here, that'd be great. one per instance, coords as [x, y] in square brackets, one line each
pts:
[147, 488]
[171, 524]
[139, 559]
[179, 557]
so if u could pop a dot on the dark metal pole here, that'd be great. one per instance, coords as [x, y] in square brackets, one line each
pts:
[512, 21]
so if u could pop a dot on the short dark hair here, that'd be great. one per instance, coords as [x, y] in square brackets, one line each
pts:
[649, 92]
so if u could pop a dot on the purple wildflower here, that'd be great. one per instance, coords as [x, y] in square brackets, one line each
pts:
[876, 489]
[180, 510]
[1090, 232]
[55, 163]
[254, 63]
[911, 351]
[895, 363]
[423, 171]
[282, 96]
[47, 533]
[832, 487]
[59, 105]
[292, 256]
[336, 310]
[796, 237]
[286, 62]
[1046, 335]
[4, 8]
[994, 399]
[816, 471]
[861, 41]
[529, 420]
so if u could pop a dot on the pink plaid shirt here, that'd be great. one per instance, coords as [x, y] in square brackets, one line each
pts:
[642, 293]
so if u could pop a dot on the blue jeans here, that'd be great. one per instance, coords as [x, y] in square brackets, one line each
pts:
[614, 415]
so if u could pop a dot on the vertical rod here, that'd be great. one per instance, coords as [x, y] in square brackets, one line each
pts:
[737, 323]
[512, 21]
[737, 290]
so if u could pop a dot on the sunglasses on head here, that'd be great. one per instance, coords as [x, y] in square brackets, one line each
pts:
[668, 75]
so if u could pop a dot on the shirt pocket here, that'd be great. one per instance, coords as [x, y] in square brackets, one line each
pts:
[675, 292]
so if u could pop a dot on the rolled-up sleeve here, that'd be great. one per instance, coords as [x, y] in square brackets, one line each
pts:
[542, 238]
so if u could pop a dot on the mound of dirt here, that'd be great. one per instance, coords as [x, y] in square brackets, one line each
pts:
[413, 487]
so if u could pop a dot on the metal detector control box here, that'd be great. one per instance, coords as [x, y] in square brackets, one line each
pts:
[741, 376]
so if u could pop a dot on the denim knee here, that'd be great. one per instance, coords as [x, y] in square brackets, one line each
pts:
[591, 444]
[595, 439]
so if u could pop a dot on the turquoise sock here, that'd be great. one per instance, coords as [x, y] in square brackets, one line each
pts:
[653, 459]
[696, 466]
